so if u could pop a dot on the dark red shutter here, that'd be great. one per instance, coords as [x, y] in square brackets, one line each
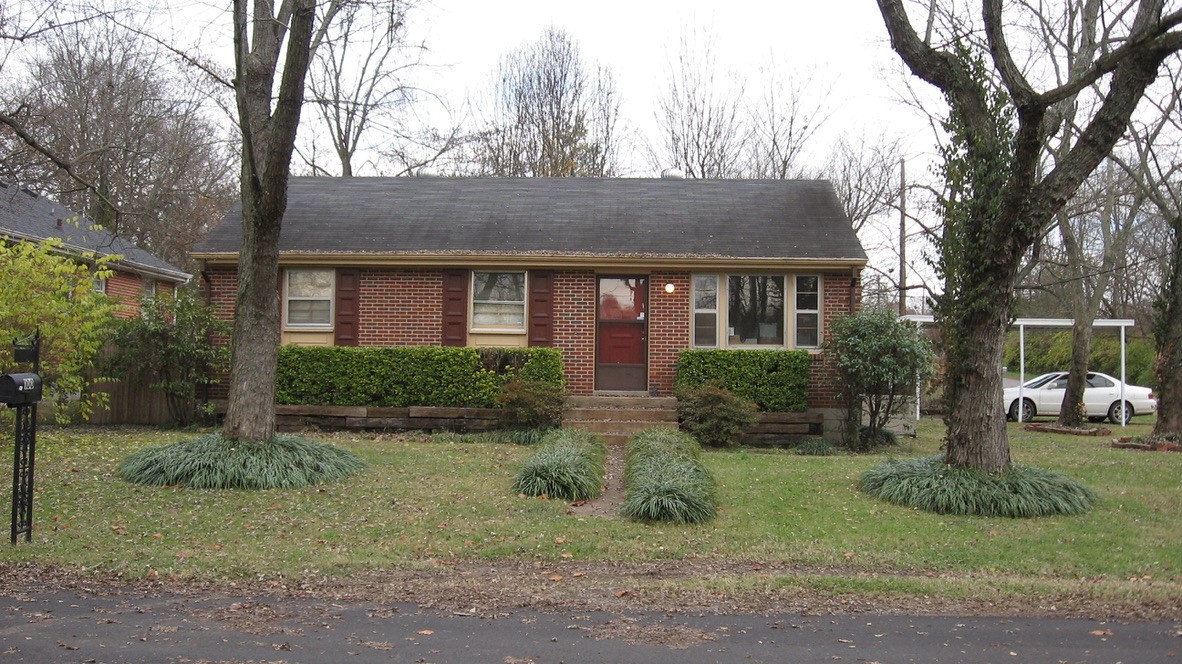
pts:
[348, 307]
[541, 308]
[455, 307]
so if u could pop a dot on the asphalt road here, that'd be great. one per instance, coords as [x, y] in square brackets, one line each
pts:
[135, 626]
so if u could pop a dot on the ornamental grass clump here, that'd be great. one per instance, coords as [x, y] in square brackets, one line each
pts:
[212, 462]
[568, 465]
[929, 484]
[665, 480]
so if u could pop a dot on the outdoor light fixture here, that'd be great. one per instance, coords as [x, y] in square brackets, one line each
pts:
[669, 288]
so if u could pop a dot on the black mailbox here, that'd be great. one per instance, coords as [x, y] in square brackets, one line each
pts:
[17, 389]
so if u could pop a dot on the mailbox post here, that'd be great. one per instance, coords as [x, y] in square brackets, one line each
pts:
[22, 391]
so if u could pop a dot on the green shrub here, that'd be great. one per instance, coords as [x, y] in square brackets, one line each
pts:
[171, 346]
[715, 416]
[568, 466]
[869, 439]
[878, 359]
[665, 479]
[528, 404]
[929, 484]
[775, 380]
[403, 376]
[212, 462]
[815, 447]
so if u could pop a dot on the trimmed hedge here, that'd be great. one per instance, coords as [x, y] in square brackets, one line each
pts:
[776, 380]
[402, 376]
[569, 466]
[664, 479]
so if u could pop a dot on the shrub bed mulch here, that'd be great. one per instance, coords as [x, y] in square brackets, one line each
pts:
[1164, 443]
[1071, 431]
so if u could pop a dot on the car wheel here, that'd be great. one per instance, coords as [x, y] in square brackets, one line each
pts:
[1114, 412]
[1028, 411]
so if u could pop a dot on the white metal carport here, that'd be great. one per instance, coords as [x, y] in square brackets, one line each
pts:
[1022, 324]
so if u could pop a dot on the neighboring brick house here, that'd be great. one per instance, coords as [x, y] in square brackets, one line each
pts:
[25, 215]
[620, 274]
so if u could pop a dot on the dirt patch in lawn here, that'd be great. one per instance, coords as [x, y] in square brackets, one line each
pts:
[688, 586]
[607, 505]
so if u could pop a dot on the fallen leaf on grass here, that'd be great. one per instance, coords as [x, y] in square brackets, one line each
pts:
[555, 577]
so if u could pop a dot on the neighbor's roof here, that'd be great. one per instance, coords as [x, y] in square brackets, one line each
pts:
[556, 217]
[26, 216]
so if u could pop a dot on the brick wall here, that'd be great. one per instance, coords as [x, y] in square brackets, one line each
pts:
[837, 291]
[125, 289]
[221, 290]
[400, 307]
[404, 307]
[574, 327]
[668, 328]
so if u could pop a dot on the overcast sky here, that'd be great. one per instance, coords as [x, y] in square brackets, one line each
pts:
[840, 45]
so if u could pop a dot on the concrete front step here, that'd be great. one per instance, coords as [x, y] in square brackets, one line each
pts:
[617, 418]
[621, 414]
[621, 402]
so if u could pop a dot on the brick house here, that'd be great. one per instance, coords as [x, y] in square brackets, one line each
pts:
[24, 215]
[620, 274]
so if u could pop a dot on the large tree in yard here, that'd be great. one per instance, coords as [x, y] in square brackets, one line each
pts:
[270, 39]
[1005, 190]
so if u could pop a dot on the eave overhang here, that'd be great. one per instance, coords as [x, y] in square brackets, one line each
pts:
[544, 261]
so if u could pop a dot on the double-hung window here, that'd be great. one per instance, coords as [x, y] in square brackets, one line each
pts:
[755, 309]
[705, 298]
[498, 300]
[308, 298]
[808, 311]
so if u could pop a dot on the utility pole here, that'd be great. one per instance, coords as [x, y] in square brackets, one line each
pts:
[902, 237]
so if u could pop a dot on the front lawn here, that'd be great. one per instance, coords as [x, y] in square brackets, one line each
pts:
[423, 501]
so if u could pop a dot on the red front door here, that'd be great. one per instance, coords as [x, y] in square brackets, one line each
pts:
[621, 358]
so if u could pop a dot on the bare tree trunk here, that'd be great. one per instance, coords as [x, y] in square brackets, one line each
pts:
[1071, 412]
[976, 424]
[1168, 331]
[250, 414]
[268, 141]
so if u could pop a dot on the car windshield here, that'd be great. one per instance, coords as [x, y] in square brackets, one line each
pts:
[1040, 381]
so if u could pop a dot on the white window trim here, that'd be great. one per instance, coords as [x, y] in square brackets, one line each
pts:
[474, 329]
[332, 305]
[722, 313]
[719, 300]
[818, 310]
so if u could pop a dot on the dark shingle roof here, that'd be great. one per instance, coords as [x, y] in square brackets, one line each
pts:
[27, 216]
[559, 216]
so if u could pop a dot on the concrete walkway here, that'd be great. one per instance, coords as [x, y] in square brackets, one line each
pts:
[137, 626]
